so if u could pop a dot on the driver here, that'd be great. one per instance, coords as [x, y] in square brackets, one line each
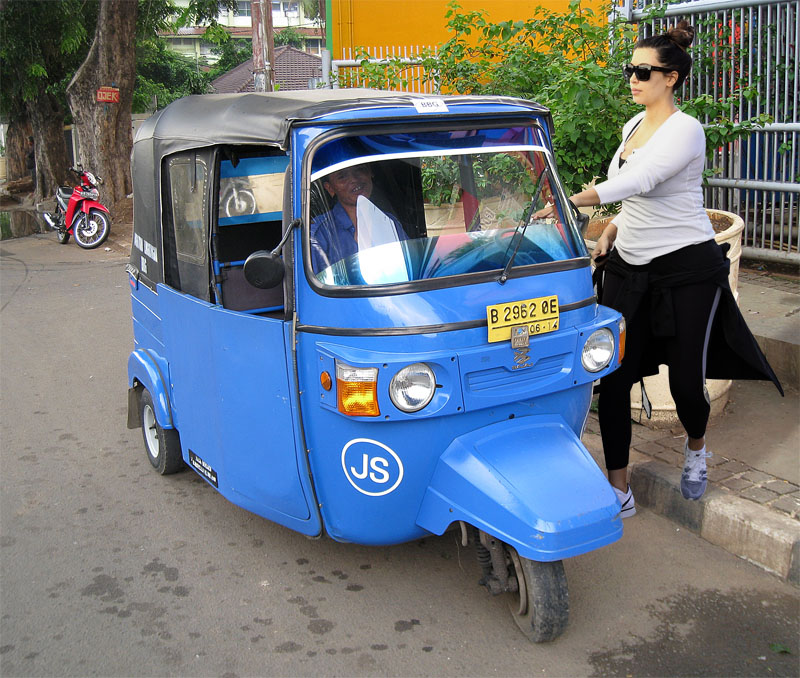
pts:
[334, 234]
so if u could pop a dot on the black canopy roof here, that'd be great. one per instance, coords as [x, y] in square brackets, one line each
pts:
[265, 118]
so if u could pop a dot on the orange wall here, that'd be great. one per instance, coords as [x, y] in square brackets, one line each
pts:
[373, 23]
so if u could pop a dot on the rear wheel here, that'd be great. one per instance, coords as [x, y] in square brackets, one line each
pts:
[62, 235]
[541, 605]
[163, 446]
[91, 230]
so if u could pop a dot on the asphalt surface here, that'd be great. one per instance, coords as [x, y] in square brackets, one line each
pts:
[107, 569]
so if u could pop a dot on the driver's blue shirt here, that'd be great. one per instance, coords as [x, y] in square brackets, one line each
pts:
[333, 237]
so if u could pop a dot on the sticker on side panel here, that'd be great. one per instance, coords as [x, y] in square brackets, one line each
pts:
[371, 467]
[203, 469]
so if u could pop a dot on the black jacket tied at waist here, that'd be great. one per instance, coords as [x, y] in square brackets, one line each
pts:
[732, 351]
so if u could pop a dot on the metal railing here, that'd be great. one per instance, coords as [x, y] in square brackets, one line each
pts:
[751, 62]
[346, 70]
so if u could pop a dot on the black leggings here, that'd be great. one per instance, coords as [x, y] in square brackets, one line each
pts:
[685, 355]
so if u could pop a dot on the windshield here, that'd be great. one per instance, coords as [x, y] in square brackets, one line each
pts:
[401, 208]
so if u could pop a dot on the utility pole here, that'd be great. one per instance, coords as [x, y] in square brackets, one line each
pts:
[263, 45]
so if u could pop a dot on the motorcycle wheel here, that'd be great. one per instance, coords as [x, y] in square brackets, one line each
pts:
[62, 235]
[91, 230]
[163, 446]
[541, 606]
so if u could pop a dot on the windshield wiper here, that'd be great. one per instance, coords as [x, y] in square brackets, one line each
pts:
[526, 219]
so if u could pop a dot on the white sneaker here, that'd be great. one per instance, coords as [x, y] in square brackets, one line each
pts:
[693, 478]
[628, 505]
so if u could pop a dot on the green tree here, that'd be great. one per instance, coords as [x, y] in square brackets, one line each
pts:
[41, 45]
[289, 36]
[314, 10]
[163, 75]
[230, 54]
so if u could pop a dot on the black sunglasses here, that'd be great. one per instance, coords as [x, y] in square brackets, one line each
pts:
[642, 71]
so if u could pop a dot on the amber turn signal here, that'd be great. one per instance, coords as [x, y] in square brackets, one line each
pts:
[622, 331]
[325, 380]
[357, 390]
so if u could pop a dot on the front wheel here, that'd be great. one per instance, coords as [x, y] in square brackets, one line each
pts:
[541, 605]
[163, 446]
[91, 230]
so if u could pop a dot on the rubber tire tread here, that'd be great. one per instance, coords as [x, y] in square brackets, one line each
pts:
[548, 600]
[170, 457]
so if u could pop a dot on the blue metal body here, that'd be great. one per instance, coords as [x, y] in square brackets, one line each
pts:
[498, 447]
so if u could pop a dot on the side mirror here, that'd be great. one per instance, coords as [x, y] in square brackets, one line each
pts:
[264, 269]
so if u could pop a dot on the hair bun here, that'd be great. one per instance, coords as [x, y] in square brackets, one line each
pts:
[682, 34]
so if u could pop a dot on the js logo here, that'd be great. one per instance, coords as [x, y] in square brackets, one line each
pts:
[371, 467]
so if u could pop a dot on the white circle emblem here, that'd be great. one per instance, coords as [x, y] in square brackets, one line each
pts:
[371, 467]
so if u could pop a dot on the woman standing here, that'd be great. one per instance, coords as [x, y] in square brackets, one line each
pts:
[665, 273]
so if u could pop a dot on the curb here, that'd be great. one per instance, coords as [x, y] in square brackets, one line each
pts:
[741, 527]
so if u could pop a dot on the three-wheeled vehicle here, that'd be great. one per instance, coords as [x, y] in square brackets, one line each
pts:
[352, 318]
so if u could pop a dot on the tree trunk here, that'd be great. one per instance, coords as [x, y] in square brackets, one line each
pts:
[22, 223]
[16, 149]
[104, 129]
[47, 119]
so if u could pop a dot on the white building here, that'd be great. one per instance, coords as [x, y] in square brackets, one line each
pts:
[285, 14]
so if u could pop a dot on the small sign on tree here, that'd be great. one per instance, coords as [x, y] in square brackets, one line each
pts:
[108, 95]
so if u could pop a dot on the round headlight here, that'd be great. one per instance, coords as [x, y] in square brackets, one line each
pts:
[598, 350]
[412, 387]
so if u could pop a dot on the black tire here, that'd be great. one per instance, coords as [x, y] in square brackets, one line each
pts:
[541, 607]
[163, 446]
[62, 235]
[91, 230]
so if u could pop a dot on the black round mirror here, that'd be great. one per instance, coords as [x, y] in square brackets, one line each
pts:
[263, 269]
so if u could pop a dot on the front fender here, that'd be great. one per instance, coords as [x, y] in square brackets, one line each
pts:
[87, 205]
[144, 370]
[529, 482]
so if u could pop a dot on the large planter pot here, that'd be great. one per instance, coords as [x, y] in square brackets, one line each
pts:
[728, 228]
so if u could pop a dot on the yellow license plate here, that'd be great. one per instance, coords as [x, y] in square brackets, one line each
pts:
[540, 315]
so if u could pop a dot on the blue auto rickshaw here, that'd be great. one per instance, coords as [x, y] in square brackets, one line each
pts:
[351, 318]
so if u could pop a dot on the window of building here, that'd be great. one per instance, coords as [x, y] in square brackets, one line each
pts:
[289, 8]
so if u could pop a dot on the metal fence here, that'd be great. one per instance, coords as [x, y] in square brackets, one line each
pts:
[746, 55]
[345, 72]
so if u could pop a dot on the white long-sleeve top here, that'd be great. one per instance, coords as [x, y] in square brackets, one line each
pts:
[660, 186]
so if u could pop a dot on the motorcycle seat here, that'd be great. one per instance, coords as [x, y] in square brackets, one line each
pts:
[64, 192]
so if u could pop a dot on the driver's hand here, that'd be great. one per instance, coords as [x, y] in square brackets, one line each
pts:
[545, 212]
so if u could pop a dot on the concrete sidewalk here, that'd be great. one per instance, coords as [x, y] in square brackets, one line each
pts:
[752, 504]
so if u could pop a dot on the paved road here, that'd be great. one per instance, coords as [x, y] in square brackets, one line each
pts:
[108, 569]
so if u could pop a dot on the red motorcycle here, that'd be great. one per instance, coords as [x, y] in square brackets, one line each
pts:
[79, 213]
